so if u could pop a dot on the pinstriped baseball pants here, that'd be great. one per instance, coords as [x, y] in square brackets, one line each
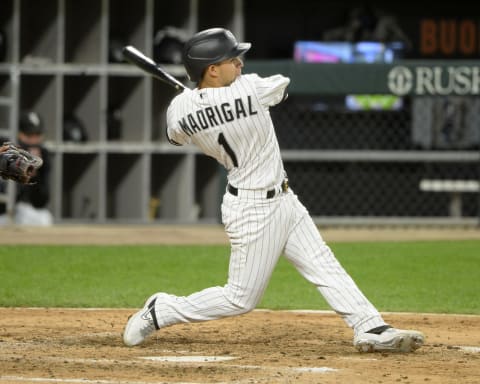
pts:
[260, 230]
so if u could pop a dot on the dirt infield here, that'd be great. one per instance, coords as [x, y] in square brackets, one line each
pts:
[85, 346]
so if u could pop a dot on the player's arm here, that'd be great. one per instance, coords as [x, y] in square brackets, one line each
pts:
[271, 90]
[171, 141]
[175, 135]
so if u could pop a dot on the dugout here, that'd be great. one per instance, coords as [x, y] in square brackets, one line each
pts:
[350, 165]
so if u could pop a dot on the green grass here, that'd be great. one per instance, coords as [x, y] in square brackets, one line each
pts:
[405, 276]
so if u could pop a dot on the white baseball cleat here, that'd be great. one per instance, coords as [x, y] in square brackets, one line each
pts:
[390, 340]
[141, 324]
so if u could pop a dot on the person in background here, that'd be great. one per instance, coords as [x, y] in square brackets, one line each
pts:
[366, 23]
[31, 207]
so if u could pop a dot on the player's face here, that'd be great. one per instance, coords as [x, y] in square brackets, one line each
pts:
[32, 139]
[229, 70]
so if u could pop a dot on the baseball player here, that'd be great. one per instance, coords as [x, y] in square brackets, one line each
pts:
[227, 117]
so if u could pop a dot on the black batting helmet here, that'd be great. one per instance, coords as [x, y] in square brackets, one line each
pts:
[209, 47]
[31, 123]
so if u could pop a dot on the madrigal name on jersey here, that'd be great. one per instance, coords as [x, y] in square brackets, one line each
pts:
[215, 115]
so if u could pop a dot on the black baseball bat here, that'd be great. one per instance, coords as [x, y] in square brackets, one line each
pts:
[145, 63]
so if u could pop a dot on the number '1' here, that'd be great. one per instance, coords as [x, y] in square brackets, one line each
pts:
[224, 143]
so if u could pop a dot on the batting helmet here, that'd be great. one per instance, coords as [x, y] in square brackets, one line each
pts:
[208, 47]
[31, 123]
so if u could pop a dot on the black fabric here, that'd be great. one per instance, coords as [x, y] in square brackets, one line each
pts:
[270, 194]
[37, 194]
[379, 330]
[152, 312]
[234, 192]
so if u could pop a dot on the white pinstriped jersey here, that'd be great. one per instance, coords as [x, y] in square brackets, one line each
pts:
[233, 125]
[262, 220]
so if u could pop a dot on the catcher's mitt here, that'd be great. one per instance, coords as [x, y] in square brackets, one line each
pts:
[17, 164]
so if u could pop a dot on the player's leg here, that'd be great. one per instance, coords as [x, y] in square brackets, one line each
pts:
[315, 261]
[312, 257]
[257, 239]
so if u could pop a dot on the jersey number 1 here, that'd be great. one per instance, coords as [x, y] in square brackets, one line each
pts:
[224, 143]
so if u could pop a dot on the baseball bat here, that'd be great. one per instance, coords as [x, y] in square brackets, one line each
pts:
[146, 64]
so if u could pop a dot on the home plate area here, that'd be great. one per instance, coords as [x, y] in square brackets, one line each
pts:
[85, 346]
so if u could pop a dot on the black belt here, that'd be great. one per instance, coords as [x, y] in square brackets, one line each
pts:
[270, 193]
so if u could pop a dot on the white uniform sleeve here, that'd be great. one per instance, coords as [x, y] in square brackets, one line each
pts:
[175, 134]
[271, 90]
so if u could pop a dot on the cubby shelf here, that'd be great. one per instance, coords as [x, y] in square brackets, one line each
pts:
[104, 119]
